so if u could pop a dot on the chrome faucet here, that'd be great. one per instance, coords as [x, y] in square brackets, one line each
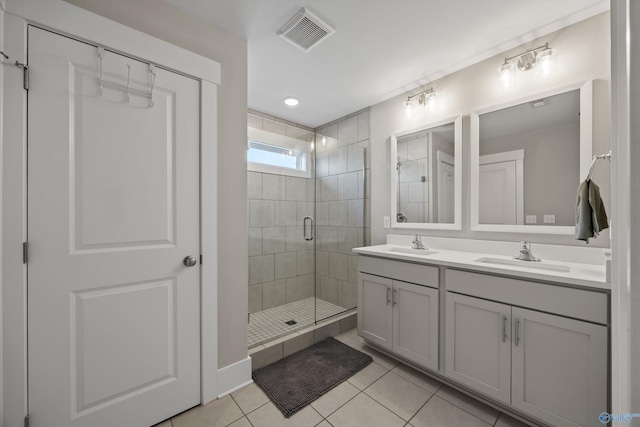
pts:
[417, 243]
[525, 253]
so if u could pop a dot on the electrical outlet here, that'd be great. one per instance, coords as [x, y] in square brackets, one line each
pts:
[549, 219]
[531, 219]
[387, 222]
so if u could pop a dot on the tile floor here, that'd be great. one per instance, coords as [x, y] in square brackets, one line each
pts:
[270, 324]
[384, 394]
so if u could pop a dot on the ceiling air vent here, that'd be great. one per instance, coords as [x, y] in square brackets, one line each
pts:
[305, 30]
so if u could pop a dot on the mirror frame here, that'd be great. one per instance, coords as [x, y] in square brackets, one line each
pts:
[586, 147]
[457, 146]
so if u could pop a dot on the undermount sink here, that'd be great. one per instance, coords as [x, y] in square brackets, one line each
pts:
[413, 251]
[542, 265]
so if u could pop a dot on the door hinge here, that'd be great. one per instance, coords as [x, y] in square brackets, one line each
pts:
[25, 74]
[26, 421]
[25, 252]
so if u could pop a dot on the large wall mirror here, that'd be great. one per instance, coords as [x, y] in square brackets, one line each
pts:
[527, 161]
[426, 176]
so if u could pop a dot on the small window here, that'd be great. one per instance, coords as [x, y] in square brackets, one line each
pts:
[273, 155]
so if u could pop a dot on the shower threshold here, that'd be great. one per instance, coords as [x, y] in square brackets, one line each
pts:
[275, 322]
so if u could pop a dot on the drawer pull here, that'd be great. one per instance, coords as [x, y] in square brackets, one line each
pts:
[504, 328]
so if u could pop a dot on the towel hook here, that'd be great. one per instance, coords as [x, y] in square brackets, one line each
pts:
[594, 160]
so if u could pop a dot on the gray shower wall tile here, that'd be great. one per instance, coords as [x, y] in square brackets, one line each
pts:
[338, 266]
[303, 209]
[322, 214]
[261, 269]
[322, 165]
[348, 186]
[273, 294]
[299, 287]
[364, 184]
[348, 131]
[311, 189]
[339, 161]
[327, 188]
[295, 240]
[355, 158]
[254, 185]
[261, 213]
[255, 298]
[304, 263]
[274, 240]
[338, 212]
[352, 269]
[285, 214]
[355, 213]
[273, 187]
[255, 241]
[322, 263]
[330, 131]
[296, 189]
[347, 294]
[363, 125]
[327, 289]
[285, 265]
[348, 238]
[327, 239]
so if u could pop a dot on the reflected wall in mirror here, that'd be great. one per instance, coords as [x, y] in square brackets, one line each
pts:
[527, 162]
[426, 176]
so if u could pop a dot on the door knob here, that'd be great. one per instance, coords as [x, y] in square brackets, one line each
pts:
[189, 261]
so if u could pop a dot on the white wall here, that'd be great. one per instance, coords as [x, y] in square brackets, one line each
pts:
[161, 20]
[583, 54]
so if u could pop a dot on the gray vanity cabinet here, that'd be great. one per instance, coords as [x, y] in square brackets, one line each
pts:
[478, 345]
[559, 368]
[546, 365]
[397, 315]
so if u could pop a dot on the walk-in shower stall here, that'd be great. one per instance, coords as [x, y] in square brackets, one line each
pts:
[307, 199]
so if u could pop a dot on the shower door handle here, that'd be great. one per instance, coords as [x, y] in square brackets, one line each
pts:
[304, 228]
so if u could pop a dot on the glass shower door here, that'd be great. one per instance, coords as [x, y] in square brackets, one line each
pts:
[281, 195]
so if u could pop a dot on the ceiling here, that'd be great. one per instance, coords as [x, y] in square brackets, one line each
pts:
[380, 48]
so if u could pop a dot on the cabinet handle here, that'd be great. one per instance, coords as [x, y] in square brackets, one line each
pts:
[395, 297]
[504, 328]
[517, 331]
[388, 295]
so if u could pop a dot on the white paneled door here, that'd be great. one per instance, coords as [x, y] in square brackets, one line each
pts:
[113, 202]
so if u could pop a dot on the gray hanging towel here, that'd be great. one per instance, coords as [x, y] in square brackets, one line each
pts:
[591, 217]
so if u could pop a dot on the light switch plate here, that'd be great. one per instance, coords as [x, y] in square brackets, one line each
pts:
[387, 222]
[549, 219]
[531, 219]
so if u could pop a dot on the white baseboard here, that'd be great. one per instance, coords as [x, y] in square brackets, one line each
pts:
[234, 377]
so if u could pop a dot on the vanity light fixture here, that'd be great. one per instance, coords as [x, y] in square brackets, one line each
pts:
[542, 57]
[426, 99]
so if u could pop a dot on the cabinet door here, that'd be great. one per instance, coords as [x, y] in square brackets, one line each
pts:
[478, 347]
[559, 368]
[415, 323]
[374, 309]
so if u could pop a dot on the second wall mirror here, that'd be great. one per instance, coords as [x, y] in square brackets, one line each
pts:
[527, 161]
[426, 176]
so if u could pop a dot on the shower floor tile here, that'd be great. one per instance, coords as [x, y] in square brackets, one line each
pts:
[269, 324]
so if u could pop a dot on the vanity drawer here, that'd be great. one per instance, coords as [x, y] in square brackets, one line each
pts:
[420, 274]
[569, 302]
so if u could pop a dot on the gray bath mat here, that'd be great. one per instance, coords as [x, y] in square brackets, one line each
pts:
[299, 379]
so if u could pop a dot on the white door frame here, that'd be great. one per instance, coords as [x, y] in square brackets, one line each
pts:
[65, 18]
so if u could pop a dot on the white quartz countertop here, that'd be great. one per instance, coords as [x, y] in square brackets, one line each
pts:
[585, 275]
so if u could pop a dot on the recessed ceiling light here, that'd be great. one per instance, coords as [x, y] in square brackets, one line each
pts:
[291, 102]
